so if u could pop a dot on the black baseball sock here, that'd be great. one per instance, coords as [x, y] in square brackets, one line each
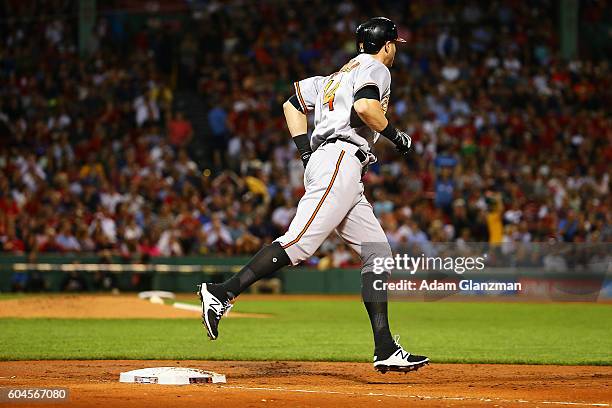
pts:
[375, 302]
[268, 260]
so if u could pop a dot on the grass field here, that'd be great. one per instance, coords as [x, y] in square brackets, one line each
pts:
[332, 330]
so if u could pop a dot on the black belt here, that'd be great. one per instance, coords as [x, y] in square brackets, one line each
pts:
[359, 154]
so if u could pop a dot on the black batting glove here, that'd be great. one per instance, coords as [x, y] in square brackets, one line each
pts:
[400, 139]
[403, 142]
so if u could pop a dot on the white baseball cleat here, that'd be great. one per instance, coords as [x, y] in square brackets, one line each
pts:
[213, 310]
[400, 360]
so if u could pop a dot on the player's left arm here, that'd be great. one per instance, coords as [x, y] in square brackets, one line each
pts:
[296, 108]
[295, 117]
[298, 128]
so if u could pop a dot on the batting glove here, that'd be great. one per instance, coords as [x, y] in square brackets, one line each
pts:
[402, 142]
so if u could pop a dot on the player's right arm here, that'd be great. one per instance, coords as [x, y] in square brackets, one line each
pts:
[370, 85]
[370, 111]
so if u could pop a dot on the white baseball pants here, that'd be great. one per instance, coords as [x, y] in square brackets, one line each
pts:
[334, 200]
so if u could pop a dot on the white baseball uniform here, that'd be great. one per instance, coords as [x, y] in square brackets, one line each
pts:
[334, 198]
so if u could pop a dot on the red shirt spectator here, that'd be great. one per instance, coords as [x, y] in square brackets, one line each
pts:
[9, 207]
[180, 130]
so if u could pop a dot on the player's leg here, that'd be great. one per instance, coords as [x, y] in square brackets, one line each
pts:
[216, 299]
[362, 231]
[332, 187]
[329, 188]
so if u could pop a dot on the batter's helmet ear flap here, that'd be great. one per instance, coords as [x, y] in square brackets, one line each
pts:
[359, 38]
[370, 43]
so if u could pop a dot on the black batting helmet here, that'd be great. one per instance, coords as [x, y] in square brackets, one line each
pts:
[374, 33]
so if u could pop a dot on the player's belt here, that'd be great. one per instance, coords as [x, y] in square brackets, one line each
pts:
[359, 154]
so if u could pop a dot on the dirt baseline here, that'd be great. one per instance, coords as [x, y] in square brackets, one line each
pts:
[321, 384]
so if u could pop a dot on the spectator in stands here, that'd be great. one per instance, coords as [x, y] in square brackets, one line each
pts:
[180, 130]
[505, 132]
[217, 122]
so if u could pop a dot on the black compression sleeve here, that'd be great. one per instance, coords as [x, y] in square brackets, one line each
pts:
[367, 92]
[294, 101]
[267, 261]
[390, 132]
[302, 143]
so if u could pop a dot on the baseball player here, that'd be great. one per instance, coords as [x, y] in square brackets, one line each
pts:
[349, 109]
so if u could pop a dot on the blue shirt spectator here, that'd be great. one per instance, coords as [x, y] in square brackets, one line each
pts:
[217, 120]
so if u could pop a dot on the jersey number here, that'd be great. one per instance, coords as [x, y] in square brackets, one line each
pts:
[329, 92]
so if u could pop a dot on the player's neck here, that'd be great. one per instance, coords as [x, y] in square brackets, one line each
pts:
[379, 57]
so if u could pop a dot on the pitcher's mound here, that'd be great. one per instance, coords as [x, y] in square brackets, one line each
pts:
[97, 307]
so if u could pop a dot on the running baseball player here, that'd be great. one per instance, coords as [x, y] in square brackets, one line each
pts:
[349, 109]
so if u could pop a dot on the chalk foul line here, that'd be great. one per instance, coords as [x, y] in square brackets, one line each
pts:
[427, 397]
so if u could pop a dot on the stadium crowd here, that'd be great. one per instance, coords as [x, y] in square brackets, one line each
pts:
[511, 142]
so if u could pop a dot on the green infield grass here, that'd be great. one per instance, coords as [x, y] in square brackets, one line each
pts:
[331, 330]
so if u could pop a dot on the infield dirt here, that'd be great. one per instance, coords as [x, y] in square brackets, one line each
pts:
[320, 384]
[97, 307]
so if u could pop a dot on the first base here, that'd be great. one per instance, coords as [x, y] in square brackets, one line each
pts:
[171, 376]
